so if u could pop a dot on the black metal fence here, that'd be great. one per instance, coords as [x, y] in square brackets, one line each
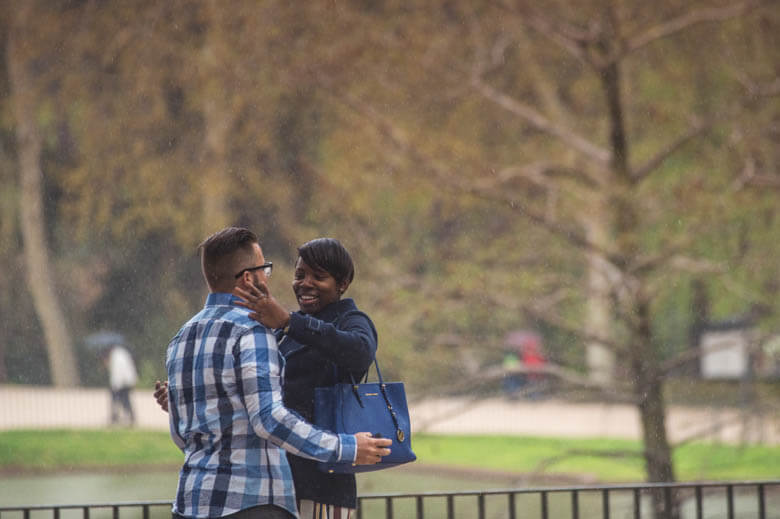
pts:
[728, 500]
[716, 500]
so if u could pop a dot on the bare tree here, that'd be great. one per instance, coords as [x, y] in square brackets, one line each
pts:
[40, 278]
[590, 165]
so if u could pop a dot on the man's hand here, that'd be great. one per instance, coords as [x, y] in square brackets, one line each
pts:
[161, 394]
[370, 450]
[265, 309]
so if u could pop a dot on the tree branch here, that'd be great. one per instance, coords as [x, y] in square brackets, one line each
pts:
[492, 374]
[550, 317]
[694, 265]
[571, 235]
[644, 171]
[682, 22]
[749, 177]
[388, 130]
[755, 343]
[680, 263]
[770, 89]
[541, 174]
[765, 180]
[570, 38]
[541, 123]
[643, 264]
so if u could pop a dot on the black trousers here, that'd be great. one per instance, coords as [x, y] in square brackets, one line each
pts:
[120, 399]
[256, 512]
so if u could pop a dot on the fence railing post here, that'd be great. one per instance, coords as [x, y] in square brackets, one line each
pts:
[575, 505]
[637, 504]
[699, 503]
[511, 505]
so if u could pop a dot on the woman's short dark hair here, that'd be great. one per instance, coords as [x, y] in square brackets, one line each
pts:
[329, 255]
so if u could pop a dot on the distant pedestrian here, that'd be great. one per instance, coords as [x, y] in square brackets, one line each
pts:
[122, 378]
[525, 348]
[534, 361]
[513, 380]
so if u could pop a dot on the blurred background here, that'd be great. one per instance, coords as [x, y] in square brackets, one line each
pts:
[599, 179]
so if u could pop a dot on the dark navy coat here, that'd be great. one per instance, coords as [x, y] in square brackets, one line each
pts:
[321, 350]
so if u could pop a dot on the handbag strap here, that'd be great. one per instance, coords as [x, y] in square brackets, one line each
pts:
[383, 389]
[398, 432]
[365, 377]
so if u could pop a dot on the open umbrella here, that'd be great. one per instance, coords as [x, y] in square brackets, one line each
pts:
[104, 339]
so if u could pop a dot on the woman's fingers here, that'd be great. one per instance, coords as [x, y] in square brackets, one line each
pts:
[252, 291]
[262, 289]
[242, 293]
[251, 296]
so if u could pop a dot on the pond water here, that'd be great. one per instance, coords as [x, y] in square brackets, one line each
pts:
[69, 488]
[80, 488]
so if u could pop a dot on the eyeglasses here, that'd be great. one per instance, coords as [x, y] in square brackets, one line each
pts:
[267, 269]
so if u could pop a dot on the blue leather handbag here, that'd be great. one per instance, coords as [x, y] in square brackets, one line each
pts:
[376, 407]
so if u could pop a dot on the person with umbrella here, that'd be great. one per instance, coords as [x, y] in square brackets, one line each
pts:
[122, 375]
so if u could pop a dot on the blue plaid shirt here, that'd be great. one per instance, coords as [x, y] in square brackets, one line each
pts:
[225, 405]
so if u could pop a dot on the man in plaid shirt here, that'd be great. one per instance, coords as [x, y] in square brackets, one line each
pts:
[225, 401]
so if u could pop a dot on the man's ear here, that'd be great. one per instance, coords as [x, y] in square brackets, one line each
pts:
[343, 287]
[244, 280]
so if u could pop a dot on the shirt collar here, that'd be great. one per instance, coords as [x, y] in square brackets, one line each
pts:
[221, 299]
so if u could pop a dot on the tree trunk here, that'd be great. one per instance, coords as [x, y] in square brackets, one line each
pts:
[600, 360]
[652, 411]
[3, 372]
[62, 361]
[630, 292]
[700, 317]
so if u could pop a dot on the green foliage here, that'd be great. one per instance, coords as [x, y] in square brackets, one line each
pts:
[361, 121]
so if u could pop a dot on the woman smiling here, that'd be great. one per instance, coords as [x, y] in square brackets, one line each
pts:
[326, 342]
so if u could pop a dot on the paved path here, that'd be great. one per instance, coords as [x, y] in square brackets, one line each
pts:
[44, 407]
[563, 419]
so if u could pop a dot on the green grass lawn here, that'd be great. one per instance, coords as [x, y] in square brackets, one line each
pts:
[70, 449]
[45, 450]
[699, 461]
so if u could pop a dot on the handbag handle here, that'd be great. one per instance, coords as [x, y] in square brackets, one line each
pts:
[398, 432]
[383, 389]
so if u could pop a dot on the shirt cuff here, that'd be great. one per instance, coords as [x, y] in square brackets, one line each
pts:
[347, 448]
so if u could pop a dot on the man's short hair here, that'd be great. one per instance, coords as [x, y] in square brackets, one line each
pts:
[224, 253]
[329, 255]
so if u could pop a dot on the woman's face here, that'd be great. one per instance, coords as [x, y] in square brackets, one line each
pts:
[315, 288]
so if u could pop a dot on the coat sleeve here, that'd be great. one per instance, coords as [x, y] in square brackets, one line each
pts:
[351, 344]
